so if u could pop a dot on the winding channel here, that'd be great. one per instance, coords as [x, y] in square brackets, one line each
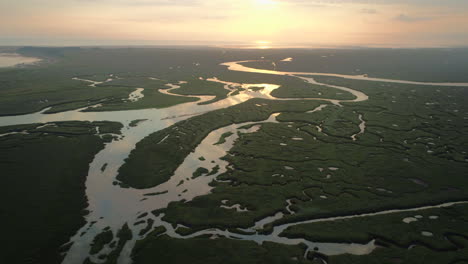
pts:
[112, 206]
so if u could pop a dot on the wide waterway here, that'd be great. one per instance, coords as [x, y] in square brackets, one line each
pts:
[13, 59]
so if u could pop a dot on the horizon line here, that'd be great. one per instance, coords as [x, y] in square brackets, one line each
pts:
[229, 46]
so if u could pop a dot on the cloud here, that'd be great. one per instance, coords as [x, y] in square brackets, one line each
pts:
[369, 11]
[147, 2]
[308, 3]
[435, 3]
[164, 2]
[410, 19]
[173, 19]
[215, 17]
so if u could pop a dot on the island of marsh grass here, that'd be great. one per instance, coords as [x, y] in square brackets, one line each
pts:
[123, 236]
[443, 225]
[100, 240]
[31, 89]
[135, 123]
[44, 178]
[290, 87]
[302, 89]
[205, 250]
[335, 175]
[394, 164]
[155, 163]
[331, 174]
[199, 172]
[433, 236]
[223, 137]
[50, 84]
[416, 255]
[403, 64]
[152, 97]
[202, 87]
[395, 237]
[222, 250]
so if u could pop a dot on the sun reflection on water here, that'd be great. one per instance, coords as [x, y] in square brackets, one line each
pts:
[262, 44]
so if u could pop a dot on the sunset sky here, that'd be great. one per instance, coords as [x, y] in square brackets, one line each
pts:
[311, 23]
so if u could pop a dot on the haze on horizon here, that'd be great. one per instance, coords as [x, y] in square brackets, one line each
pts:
[261, 23]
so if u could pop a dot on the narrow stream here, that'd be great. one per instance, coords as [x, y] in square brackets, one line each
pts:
[362, 128]
[112, 206]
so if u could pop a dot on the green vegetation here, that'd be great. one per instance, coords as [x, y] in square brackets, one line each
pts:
[214, 170]
[403, 242]
[334, 175]
[140, 244]
[40, 173]
[152, 97]
[290, 87]
[151, 164]
[135, 123]
[100, 240]
[444, 224]
[123, 235]
[416, 255]
[412, 153]
[156, 193]
[149, 226]
[50, 84]
[202, 87]
[403, 64]
[199, 172]
[306, 90]
[236, 92]
[223, 137]
[207, 251]
[256, 89]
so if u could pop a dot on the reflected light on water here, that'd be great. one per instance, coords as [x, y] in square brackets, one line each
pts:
[262, 44]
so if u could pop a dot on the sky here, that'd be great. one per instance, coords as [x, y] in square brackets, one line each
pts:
[250, 23]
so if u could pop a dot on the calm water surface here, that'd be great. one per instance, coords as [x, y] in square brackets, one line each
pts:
[13, 59]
